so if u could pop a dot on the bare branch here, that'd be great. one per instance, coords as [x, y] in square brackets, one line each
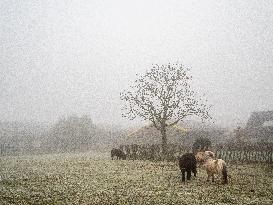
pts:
[163, 95]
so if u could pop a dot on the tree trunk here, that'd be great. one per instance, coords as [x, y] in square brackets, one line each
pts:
[164, 141]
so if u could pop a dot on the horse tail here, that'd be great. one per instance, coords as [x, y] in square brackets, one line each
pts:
[224, 172]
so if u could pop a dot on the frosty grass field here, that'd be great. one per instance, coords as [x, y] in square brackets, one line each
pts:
[96, 179]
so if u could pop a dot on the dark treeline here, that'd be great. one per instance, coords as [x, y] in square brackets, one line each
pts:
[70, 134]
[81, 134]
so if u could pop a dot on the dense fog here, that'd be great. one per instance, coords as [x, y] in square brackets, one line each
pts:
[63, 65]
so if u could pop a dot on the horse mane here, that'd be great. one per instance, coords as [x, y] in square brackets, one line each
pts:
[210, 154]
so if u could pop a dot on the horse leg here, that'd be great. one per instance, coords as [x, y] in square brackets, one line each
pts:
[183, 175]
[212, 177]
[188, 174]
[208, 173]
[224, 174]
[194, 172]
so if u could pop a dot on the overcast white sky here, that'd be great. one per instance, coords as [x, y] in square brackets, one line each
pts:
[63, 57]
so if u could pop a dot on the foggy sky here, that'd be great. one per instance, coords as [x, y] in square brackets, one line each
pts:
[75, 57]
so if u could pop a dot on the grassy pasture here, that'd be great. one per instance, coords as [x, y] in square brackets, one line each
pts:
[96, 179]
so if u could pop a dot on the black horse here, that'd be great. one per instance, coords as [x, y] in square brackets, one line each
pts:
[118, 153]
[187, 163]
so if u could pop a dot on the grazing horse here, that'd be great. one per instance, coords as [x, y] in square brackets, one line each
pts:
[118, 153]
[187, 163]
[212, 166]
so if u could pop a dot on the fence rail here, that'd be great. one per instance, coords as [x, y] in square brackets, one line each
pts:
[246, 154]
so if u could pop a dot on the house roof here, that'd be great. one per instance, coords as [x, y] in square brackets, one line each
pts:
[258, 119]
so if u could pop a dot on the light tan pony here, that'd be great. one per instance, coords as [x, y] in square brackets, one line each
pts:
[212, 165]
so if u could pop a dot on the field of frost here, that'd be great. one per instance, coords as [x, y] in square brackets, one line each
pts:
[96, 179]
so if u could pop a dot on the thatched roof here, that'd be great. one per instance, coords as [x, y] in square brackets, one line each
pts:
[185, 133]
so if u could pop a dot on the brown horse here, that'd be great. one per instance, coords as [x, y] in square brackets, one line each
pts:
[212, 166]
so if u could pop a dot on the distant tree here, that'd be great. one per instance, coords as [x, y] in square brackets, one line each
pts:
[72, 133]
[238, 134]
[163, 96]
[239, 138]
[201, 143]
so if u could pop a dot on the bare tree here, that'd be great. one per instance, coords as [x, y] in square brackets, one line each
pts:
[163, 96]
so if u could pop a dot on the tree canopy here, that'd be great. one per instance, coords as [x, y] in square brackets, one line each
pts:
[163, 96]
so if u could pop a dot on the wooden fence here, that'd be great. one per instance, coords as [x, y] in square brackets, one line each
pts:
[243, 154]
